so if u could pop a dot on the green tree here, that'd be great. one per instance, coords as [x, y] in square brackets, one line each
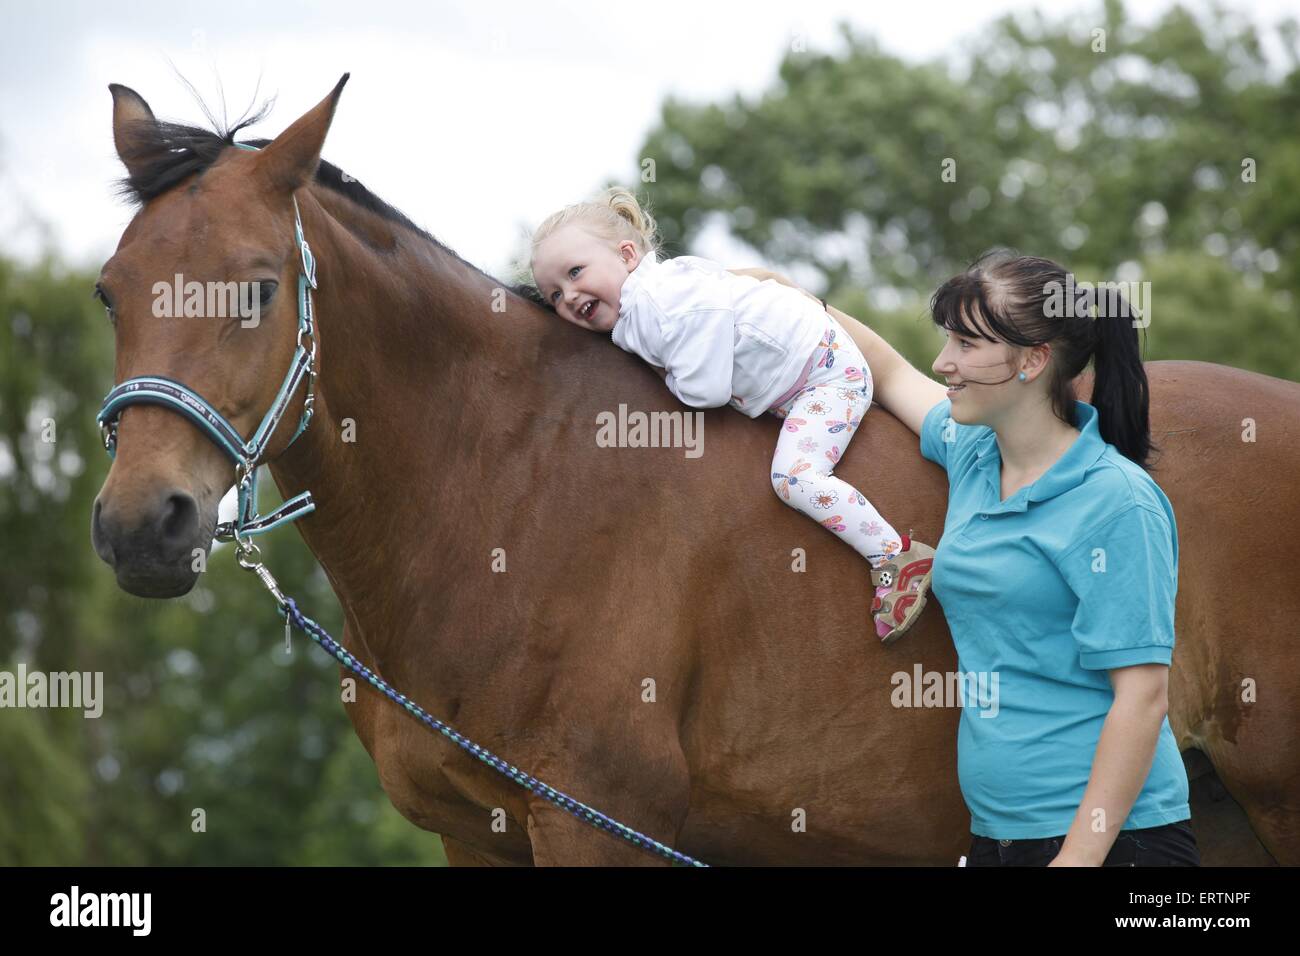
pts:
[1167, 153]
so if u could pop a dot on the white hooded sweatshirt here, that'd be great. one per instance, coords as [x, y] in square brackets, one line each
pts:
[724, 339]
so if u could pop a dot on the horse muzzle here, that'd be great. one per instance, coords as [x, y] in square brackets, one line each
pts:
[156, 548]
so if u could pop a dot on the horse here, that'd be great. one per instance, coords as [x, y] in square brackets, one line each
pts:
[650, 632]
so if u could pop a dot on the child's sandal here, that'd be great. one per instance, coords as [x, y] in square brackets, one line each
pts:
[907, 575]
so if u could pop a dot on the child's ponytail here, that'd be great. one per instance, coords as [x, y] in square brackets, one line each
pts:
[615, 215]
[625, 206]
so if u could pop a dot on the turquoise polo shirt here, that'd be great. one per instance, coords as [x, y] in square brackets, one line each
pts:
[1045, 592]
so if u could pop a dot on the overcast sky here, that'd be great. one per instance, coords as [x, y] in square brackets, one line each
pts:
[475, 118]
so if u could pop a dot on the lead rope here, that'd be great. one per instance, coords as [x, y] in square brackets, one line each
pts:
[288, 608]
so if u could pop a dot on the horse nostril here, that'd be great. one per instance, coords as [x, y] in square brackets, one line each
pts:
[100, 537]
[180, 519]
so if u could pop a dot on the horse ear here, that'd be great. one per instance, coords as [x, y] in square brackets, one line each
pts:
[133, 122]
[291, 159]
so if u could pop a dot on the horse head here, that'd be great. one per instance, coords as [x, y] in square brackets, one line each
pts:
[216, 226]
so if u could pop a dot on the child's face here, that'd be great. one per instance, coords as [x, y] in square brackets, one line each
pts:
[581, 276]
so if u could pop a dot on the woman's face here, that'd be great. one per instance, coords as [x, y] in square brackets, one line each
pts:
[981, 376]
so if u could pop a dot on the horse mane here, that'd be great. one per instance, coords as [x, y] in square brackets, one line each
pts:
[182, 150]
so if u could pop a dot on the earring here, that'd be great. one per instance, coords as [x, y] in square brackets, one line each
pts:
[1022, 377]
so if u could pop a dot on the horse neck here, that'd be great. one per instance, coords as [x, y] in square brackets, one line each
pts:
[408, 347]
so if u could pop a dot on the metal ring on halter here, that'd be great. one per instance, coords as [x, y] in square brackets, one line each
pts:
[245, 548]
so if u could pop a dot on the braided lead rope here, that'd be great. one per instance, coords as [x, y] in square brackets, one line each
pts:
[578, 809]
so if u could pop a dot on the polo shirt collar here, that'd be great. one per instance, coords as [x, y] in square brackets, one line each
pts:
[1067, 472]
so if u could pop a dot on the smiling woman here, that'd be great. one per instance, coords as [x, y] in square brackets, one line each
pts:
[1057, 570]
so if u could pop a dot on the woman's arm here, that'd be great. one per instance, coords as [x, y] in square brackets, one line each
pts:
[1121, 764]
[898, 386]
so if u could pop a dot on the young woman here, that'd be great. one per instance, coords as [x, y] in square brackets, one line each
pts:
[1057, 569]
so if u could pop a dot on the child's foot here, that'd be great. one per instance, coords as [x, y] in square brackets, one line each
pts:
[901, 586]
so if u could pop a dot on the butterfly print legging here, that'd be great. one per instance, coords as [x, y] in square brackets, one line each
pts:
[818, 422]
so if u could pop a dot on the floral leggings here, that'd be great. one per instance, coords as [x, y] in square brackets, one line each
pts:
[821, 413]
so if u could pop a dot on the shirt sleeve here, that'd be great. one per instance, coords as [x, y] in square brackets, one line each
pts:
[1125, 575]
[699, 351]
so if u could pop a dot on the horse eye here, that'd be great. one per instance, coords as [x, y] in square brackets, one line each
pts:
[99, 293]
[266, 289]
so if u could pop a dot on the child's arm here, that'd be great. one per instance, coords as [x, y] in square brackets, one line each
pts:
[762, 274]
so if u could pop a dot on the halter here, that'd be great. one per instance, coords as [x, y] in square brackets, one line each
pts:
[160, 390]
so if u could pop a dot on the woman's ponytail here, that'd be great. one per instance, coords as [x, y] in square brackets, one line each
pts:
[1120, 391]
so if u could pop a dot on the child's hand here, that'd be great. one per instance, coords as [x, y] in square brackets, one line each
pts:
[763, 274]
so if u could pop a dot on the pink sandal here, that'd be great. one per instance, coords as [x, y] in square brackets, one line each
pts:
[901, 586]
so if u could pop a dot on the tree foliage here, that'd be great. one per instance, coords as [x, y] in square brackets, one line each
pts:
[1168, 153]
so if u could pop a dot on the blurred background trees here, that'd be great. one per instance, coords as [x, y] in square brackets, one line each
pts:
[1122, 164]
[1171, 156]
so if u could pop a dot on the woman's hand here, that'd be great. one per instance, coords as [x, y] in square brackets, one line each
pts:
[763, 274]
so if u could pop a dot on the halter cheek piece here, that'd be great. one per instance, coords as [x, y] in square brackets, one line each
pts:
[160, 390]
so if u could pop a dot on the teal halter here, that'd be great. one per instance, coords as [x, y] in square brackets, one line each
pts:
[160, 390]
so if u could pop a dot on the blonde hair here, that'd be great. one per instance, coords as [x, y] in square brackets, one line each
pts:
[614, 215]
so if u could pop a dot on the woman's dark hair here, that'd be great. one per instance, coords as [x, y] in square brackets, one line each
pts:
[1023, 301]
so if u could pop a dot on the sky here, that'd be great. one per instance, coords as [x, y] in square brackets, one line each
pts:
[477, 119]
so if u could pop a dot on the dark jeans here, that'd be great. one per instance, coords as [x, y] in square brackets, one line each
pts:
[1170, 845]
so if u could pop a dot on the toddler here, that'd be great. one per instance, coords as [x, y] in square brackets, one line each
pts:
[723, 339]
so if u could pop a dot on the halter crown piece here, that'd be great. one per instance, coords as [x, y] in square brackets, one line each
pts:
[160, 390]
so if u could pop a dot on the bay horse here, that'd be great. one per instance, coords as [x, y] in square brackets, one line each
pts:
[630, 625]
